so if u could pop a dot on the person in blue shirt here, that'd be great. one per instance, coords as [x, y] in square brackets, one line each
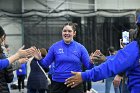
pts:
[126, 60]
[67, 55]
[21, 75]
[18, 55]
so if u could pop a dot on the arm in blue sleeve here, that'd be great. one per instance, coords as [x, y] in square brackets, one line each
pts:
[85, 58]
[49, 58]
[122, 61]
[4, 63]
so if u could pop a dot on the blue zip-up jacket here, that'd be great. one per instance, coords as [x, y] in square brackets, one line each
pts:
[66, 58]
[4, 63]
[125, 60]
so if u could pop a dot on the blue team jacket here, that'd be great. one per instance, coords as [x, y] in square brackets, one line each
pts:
[126, 60]
[66, 58]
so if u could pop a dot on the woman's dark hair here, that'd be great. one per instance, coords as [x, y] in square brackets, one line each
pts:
[2, 32]
[73, 25]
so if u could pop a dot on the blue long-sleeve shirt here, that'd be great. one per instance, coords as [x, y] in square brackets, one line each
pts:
[22, 70]
[126, 60]
[4, 63]
[66, 58]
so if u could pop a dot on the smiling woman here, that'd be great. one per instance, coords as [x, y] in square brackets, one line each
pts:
[67, 55]
[68, 32]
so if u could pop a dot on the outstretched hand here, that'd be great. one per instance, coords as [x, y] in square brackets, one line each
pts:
[91, 58]
[74, 80]
[22, 53]
[37, 53]
[97, 56]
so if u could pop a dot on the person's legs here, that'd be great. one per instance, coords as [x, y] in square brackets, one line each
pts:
[108, 84]
[23, 78]
[89, 85]
[19, 83]
[84, 86]
[22, 83]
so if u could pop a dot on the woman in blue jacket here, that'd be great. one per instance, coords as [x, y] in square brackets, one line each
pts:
[67, 55]
[126, 60]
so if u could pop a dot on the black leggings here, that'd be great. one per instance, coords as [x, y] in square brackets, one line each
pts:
[21, 79]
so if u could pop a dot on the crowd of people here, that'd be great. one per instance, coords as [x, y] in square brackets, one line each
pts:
[66, 60]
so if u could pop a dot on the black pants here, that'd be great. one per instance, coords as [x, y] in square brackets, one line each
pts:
[58, 87]
[21, 79]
